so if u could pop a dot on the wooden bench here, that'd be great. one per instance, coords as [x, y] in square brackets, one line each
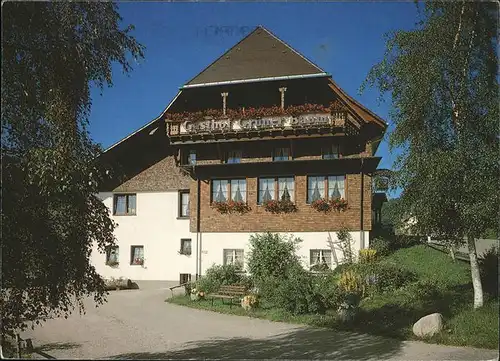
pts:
[228, 292]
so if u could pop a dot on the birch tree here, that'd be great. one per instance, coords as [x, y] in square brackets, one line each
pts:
[52, 52]
[442, 79]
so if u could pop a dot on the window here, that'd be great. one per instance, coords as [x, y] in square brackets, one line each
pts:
[185, 246]
[280, 188]
[137, 255]
[233, 156]
[331, 152]
[184, 278]
[234, 257]
[327, 187]
[124, 205]
[281, 154]
[183, 204]
[112, 256]
[190, 157]
[224, 190]
[321, 257]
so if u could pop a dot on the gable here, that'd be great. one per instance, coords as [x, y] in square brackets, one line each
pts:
[258, 55]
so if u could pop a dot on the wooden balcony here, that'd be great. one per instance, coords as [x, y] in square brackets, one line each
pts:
[211, 129]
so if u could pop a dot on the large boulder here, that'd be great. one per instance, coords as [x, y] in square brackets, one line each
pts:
[428, 325]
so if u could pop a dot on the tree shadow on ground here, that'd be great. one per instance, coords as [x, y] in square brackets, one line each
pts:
[40, 350]
[306, 344]
[58, 346]
[396, 320]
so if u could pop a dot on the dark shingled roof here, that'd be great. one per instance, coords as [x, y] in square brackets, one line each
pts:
[259, 55]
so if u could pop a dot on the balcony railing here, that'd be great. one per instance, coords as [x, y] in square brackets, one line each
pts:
[211, 121]
[218, 125]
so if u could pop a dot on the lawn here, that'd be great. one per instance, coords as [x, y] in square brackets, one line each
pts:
[444, 286]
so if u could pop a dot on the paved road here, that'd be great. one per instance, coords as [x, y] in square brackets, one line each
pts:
[138, 324]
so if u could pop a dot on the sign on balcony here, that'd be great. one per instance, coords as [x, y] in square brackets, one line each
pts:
[274, 122]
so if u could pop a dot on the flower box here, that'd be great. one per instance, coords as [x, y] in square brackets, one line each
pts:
[325, 206]
[138, 261]
[338, 204]
[283, 206]
[231, 207]
[257, 113]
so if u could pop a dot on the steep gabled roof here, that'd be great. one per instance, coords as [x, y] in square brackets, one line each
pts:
[259, 55]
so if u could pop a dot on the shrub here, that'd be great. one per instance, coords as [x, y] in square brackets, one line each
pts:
[488, 268]
[383, 277]
[296, 293]
[381, 245]
[320, 267]
[218, 275]
[405, 241]
[271, 255]
[351, 281]
[326, 285]
[367, 255]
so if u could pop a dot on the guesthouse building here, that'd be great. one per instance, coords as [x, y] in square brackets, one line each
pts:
[262, 140]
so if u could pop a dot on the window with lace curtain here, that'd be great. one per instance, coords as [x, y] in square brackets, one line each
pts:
[276, 188]
[124, 204]
[112, 255]
[321, 257]
[234, 257]
[137, 255]
[224, 190]
[184, 204]
[325, 187]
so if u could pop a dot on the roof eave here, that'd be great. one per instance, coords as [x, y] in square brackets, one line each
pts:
[255, 80]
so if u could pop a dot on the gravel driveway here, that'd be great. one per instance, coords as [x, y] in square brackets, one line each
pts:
[138, 324]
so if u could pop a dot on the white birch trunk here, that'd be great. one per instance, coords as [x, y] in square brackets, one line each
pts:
[452, 253]
[474, 270]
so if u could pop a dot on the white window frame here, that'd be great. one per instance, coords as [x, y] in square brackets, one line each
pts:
[228, 189]
[275, 192]
[181, 193]
[321, 256]
[233, 256]
[326, 188]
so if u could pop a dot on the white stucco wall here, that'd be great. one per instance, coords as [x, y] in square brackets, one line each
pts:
[213, 245]
[156, 227]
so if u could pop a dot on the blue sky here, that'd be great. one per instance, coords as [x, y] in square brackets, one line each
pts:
[344, 38]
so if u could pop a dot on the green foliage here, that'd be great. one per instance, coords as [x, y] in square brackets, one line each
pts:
[385, 277]
[443, 83]
[271, 255]
[393, 214]
[438, 266]
[295, 293]
[51, 53]
[367, 255]
[488, 267]
[381, 245]
[219, 275]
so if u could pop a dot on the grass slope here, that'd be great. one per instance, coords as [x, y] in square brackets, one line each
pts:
[444, 286]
